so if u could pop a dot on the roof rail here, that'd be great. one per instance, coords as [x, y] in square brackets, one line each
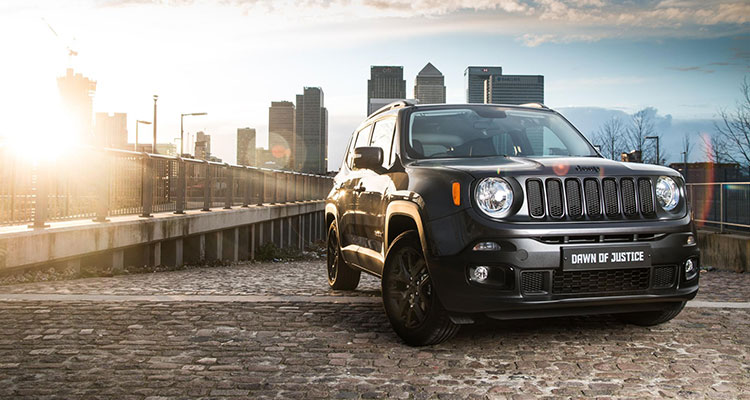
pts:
[395, 104]
[534, 105]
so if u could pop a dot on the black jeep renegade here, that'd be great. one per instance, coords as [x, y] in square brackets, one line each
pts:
[505, 212]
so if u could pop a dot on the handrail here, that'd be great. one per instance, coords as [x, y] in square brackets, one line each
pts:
[729, 208]
[94, 182]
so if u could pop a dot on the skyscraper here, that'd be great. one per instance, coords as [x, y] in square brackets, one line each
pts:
[476, 81]
[311, 132]
[386, 82]
[517, 89]
[202, 146]
[429, 87]
[111, 130]
[246, 146]
[489, 85]
[77, 94]
[281, 132]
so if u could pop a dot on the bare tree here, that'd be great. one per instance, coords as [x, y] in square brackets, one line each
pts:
[734, 129]
[714, 148]
[610, 138]
[641, 127]
[687, 146]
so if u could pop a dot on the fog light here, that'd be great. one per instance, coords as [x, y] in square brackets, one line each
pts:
[486, 246]
[691, 269]
[480, 273]
[690, 240]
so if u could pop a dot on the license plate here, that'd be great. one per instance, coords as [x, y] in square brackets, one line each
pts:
[605, 258]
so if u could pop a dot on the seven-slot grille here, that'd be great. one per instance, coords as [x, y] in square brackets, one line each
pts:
[591, 197]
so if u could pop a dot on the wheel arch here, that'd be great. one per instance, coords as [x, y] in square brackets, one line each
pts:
[400, 217]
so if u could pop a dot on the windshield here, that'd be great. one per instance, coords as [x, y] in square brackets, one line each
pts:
[492, 131]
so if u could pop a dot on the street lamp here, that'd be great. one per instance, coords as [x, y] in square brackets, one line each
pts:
[658, 160]
[182, 116]
[156, 97]
[138, 122]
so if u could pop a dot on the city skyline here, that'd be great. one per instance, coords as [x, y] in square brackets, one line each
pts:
[675, 58]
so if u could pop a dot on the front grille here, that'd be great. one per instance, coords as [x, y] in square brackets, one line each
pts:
[664, 276]
[573, 194]
[593, 204]
[535, 197]
[602, 281]
[532, 282]
[613, 197]
[644, 192]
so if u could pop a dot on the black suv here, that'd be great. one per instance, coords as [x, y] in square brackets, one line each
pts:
[505, 212]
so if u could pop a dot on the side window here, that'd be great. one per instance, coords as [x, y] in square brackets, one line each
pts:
[360, 139]
[382, 136]
[350, 150]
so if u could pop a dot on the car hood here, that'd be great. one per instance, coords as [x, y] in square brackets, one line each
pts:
[562, 166]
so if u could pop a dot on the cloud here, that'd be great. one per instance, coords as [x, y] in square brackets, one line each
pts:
[693, 69]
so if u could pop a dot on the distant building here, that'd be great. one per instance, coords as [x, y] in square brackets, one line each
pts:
[111, 130]
[281, 132]
[429, 86]
[703, 172]
[202, 146]
[489, 85]
[476, 79]
[386, 82]
[77, 93]
[311, 132]
[246, 146]
[265, 159]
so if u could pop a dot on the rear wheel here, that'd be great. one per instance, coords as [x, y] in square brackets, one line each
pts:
[651, 318]
[413, 308]
[340, 275]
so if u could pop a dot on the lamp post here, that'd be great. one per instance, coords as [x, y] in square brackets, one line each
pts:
[138, 122]
[182, 116]
[156, 97]
[658, 160]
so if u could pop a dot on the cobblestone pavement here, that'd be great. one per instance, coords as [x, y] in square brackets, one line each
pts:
[328, 349]
[305, 278]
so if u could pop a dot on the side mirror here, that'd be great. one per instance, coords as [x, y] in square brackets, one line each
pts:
[368, 158]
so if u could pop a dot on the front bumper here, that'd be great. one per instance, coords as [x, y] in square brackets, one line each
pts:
[562, 292]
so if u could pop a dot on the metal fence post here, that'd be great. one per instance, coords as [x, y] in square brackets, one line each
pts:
[41, 201]
[275, 197]
[102, 201]
[147, 185]
[261, 187]
[721, 208]
[207, 188]
[181, 186]
[229, 182]
[246, 183]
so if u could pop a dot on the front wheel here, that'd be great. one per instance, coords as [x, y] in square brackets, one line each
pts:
[651, 318]
[340, 275]
[412, 307]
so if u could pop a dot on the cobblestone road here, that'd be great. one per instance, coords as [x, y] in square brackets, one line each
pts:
[339, 345]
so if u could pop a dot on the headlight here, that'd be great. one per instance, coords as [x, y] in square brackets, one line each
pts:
[667, 193]
[494, 196]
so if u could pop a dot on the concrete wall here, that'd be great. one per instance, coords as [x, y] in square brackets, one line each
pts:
[165, 238]
[725, 251]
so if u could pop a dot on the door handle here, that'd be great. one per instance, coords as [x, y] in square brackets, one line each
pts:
[360, 188]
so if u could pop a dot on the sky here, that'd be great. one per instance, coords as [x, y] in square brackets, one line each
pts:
[231, 58]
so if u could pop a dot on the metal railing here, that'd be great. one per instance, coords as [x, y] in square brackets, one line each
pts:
[98, 183]
[722, 205]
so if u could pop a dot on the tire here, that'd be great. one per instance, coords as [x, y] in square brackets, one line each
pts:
[340, 275]
[410, 302]
[651, 318]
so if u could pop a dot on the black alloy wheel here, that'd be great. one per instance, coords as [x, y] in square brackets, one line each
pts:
[410, 301]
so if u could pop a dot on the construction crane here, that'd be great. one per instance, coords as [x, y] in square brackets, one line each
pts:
[71, 53]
